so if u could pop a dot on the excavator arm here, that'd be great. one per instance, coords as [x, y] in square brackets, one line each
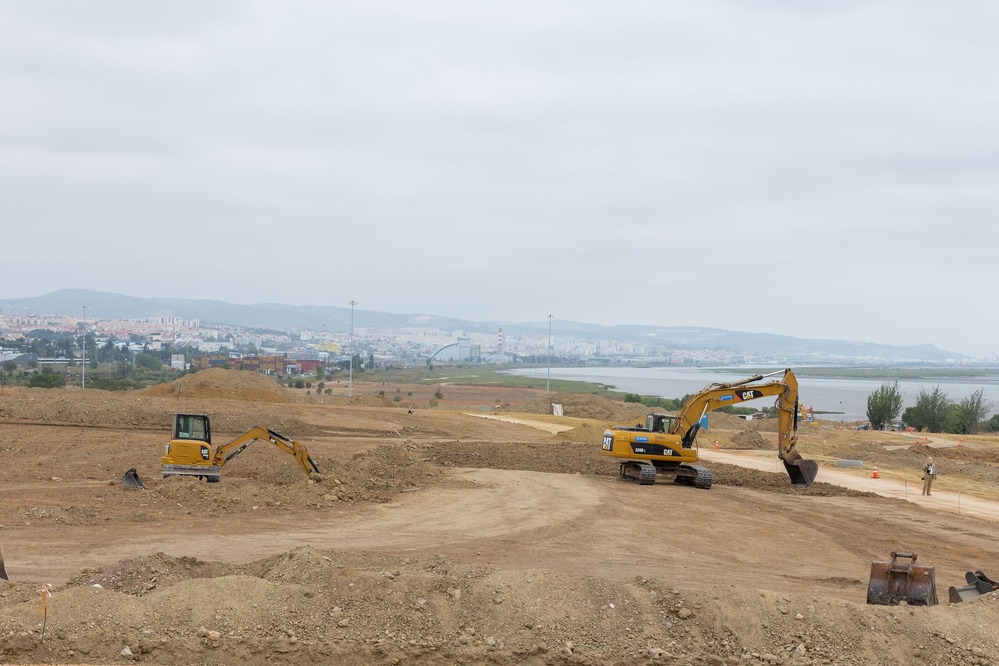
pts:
[801, 471]
[227, 452]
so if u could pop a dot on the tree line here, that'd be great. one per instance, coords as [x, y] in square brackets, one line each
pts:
[934, 411]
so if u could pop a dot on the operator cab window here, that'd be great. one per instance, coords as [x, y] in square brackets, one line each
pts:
[192, 426]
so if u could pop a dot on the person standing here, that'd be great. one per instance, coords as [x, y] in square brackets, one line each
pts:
[929, 473]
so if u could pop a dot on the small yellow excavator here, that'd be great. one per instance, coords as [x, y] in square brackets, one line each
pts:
[190, 452]
[665, 444]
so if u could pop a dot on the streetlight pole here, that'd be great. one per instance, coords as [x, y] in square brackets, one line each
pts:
[548, 388]
[83, 368]
[350, 375]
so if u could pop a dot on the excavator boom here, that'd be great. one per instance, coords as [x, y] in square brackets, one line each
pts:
[227, 452]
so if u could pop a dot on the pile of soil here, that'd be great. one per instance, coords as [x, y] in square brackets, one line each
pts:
[584, 406]
[569, 457]
[376, 475]
[751, 439]
[225, 384]
[589, 433]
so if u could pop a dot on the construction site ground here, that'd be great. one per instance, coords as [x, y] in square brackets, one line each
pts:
[483, 530]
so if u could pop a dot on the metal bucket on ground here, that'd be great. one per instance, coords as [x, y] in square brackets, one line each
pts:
[978, 584]
[900, 580]
[132, 480]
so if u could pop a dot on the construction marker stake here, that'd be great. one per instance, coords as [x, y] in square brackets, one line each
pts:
[46, 592]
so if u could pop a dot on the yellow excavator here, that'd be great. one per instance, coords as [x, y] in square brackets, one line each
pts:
[190, 452]
[666, 444]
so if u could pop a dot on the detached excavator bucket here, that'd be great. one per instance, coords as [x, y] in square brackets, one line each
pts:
[801, 471]
[897, 581]
[132, 480]
[978, 584]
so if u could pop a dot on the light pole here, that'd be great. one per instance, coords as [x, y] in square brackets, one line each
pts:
[83, 368]
[350, 375]
[548, 388]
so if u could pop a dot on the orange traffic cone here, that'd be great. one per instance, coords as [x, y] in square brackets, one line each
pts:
[716, 443]
[875, 474]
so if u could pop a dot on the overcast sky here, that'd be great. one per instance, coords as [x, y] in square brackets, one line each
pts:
[814, 169]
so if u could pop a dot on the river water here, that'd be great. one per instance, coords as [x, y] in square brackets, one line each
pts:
[846, 397]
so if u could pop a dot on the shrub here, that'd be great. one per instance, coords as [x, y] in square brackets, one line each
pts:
[47, 380]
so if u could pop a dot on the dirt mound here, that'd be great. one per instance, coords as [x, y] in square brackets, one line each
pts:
[589, 407]
[570, 457]
[276, 482]
[591, 433]
[373, 401]
[773, 482]
[219, 383]
[313, 606]
[751, 439]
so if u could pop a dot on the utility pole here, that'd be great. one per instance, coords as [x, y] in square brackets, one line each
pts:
[548, 388]
[83, 368]
[350, 376]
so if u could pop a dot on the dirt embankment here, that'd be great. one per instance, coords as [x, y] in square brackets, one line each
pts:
[438, 538]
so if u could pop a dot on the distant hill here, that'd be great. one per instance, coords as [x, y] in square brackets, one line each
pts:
[275, 316]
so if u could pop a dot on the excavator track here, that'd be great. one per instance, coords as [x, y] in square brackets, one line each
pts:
[694, 475]
[645, 473]
[639, 470]
[210, 473]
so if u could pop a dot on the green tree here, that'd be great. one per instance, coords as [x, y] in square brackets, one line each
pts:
[993, 424]
[148, 361]
[47, 379]
[972, 413]
[929, 412]
[884, 405]
[9, 367]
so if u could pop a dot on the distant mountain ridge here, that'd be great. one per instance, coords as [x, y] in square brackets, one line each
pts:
[275, 316]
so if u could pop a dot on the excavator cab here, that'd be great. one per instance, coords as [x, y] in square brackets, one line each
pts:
[659, 422]
[192, 426]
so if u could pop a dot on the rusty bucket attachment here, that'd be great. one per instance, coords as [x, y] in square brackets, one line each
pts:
[978, 584]
[897, 581]
[801, 471]
[132, 480]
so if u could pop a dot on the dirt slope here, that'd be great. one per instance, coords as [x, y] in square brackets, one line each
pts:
[440, 538]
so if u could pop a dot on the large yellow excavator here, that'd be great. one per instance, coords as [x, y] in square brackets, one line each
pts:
[190, 452]
[666, 445]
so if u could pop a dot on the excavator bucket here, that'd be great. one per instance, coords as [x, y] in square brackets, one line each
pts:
[978, 584]
[801, 471]
[897, 581]
[132, 480]
[3, 568]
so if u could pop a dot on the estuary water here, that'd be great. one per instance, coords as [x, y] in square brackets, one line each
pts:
[840, 399]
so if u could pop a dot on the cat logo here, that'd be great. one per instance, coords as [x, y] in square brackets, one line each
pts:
[205, 452]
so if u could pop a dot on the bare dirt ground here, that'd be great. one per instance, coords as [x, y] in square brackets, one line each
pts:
[445, 538]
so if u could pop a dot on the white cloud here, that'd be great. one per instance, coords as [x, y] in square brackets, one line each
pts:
[811, 169]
